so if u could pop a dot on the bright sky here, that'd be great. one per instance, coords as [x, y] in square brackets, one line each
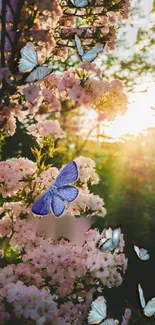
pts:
[138, 118]
[139, 115]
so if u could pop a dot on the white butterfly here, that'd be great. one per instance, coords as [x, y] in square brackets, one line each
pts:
[142, 253]
[149, 308]
[81, 3]
[110, 240]
[98, 313]
[89, 55]
[29, 62]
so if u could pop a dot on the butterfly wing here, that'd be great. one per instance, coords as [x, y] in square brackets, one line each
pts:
[57, 205]
[141, 296]
[92, 54]
[67, 175]
[28, 59]
[98, 311]
[108, 245]
[68, 192]
[144, 256]
[108, 233]
[39, 73]
[43, 205]
[78, 46]
[136, 248]
[100, 243]
[80, 3]
[116, 237]
[110, 321]
[149, 309]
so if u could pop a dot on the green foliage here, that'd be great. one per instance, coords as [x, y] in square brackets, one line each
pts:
[10, 254]
[3, 137]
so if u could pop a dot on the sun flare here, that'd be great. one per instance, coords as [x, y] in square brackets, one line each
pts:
[139, 116]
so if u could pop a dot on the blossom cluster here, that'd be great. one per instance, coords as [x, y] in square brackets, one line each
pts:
[61, 268]
[81, 87]
[19, 176]
[46, 128]
[30, 302]
[48, 269]
[52, 27]
[49, 278]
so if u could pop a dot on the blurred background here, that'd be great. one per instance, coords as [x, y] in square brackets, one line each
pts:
[124, 152]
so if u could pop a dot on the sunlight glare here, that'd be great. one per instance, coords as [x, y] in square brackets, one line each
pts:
[138, 117]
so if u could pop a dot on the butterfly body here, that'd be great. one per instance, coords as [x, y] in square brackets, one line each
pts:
[90, 55]
[29, 63]
[149, 308]
[142, 253]
[61, 190]
[110, 240]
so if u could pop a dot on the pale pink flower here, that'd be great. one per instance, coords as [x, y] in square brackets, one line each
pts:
[12, 171]
[53, 80]
[50, 97]
[7, 275]
[5, 226]
[68, 80]
[126, 317]
[90, 67]
[31, 92]
[30, 302]
[46, 128]
[78, 94]
[86, 168]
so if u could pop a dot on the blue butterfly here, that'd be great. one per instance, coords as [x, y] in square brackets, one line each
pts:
[89, 55]
[149, 308]
[110, 240]
[59, 192]
[29, 62]
[81, 3]
[98, 313]
[142, 253]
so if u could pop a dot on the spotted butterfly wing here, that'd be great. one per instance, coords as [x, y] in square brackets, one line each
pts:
[100, 243]
[108, 245]
[110, 240]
